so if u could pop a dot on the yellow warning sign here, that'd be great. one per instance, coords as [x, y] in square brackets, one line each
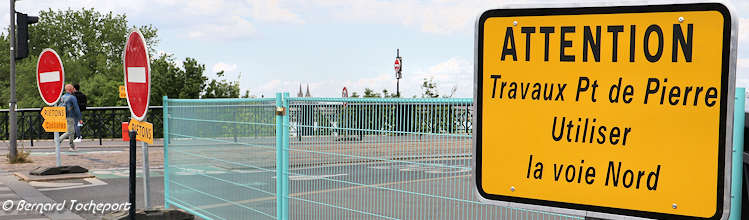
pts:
[56, 113]
[617, 110]
[144, 130]
[55, 126]
[123, 92]
[54, 119]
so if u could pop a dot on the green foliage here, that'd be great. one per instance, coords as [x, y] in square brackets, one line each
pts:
[354, 95]
[430, 89]
[188, 81]
[90, 44]
[166, 78]
[248, 95]
[369, 93]
[387, 94]
[86, 34]
[194, 80]
[222, 88]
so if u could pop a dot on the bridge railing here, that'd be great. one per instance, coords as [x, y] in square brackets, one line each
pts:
[99, 123]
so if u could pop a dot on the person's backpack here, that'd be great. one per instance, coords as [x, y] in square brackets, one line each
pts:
[81, 100]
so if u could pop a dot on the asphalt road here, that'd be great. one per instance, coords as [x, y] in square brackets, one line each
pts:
[242, 183]
[114, 191]
[413, 189]
[361, 190]
[431, 189]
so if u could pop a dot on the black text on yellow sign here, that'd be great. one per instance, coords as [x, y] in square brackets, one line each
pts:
[54, 119]
[144, 130]
[616, 109]
[55, 126]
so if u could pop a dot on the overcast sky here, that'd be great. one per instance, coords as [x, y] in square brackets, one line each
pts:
[275, 45]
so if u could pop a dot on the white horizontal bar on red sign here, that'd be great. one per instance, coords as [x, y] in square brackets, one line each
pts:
[136, 74]
[53, 76]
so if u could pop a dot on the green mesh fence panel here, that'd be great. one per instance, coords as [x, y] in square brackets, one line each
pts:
[338, 159]
[385, 159]
[221, 158]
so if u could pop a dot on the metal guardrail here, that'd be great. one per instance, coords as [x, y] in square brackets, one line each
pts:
[99, 122]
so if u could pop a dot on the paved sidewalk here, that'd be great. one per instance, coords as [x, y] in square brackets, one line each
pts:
[92, 160]
[14, 192]
[85, 143]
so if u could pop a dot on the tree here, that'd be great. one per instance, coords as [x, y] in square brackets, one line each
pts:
[387, 94]
[369, 93]
[248, 95]
[86, 34]
[222, 88]
[354, 95]
[193, 78]
[90, 44]
[188, 81]
[166, 78]
[430, 89]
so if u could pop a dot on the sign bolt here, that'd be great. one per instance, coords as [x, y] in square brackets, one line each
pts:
[512, 188]
[515, 23]
[681, 19]
[673, 206]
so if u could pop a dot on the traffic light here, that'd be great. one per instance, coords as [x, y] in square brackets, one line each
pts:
[22, 34]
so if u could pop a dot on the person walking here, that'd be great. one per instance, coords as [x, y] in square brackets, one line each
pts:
[72, 115]
[82, 104]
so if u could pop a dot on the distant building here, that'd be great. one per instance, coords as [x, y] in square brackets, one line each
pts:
[300, 94]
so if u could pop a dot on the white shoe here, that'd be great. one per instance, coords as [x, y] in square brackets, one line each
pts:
[77, 140]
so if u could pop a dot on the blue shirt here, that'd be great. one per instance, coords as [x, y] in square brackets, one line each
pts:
[71, 107]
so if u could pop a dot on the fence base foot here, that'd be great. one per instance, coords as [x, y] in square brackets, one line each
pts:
[151, 214]
[44, 171]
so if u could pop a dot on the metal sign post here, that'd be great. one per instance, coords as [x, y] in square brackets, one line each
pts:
[131, 194]
[137, 69]
[398, 66]
[58, 162]
[50, 78]
[146, 177]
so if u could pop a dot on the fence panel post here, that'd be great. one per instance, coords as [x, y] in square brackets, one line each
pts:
[285, 158]
[279, 156]
[738, 154]
[165, 124]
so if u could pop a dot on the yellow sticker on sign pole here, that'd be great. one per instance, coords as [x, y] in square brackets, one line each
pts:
[54, 119]
[123, 92]
[618, 110]
[144, 130]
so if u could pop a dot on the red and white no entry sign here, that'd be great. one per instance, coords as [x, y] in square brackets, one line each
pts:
[344, 93]
[397, 65]
[137, 74]
[50, 76]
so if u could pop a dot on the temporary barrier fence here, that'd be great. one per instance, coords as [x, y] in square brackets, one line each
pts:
[325, 158]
